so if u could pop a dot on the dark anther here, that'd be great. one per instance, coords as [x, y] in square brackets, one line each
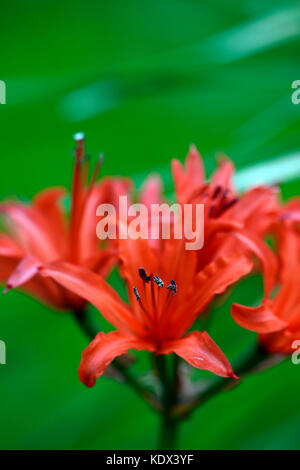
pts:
[229, 204]
[216, 191]
[172, 286]
[143, 275]
[136, 293]
[158, 281]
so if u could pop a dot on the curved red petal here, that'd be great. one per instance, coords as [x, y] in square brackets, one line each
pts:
[94, 289]
[103, 350]
[260, 319]
[24, 271]
[264, 254]
[199, 350]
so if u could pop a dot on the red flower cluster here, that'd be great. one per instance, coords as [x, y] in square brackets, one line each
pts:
[168, 287]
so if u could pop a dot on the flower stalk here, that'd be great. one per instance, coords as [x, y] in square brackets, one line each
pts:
[168, 381]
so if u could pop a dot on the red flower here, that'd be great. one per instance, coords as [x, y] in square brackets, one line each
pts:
[256, 211]
[169, 287]
[286, 303]
[39, 233]
[159, 314]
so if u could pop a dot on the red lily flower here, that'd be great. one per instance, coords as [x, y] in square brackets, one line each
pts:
[285, 304]
[39, 233]
[159, 315]
[256, 211]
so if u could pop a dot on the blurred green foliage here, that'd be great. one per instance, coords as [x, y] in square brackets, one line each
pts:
[143, 80]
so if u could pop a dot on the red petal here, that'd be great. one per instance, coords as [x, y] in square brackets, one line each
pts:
[24, 271]
[48, 202]
[223, 174]
[199, 350]
[101, 262]
[32, 231]
[135, 254]
[260, 319]
[256, 208]
[191, 179]
[103, 350]
[288, 296]
[194, 167]
[8, 248]
[45, 290]
[151, 191]
[108, 192]
[94, 289]
[264, 254]
[214, 279]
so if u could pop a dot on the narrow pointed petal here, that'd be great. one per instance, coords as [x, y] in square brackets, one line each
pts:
[194, 166]
[108, 191]
[23, 272]
[199, 350]
[178, 178]
[189, 179]
[259, 319]
[103, 350]
[223, 174]
[151, 191]
[48, 202]
[94, 289]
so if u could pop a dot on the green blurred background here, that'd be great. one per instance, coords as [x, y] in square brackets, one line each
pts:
[142, 79]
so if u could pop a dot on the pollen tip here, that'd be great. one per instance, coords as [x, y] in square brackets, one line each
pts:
[136, 293]
[172, 286]
[101, 158]
[78, 136]
[158, 281]
[143, 274]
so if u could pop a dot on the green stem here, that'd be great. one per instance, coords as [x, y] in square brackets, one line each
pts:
[86, 325]
[168, 383]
